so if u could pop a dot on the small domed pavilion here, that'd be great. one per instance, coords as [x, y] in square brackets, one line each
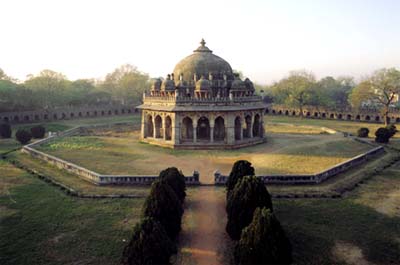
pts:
[202, 105]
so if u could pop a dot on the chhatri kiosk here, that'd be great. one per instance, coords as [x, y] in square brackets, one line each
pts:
[202, 105]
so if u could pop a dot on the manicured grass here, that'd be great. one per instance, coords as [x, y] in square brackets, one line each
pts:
[271, 121]
[41, 225]
[281, 154]
[364, 226]
[73, 181]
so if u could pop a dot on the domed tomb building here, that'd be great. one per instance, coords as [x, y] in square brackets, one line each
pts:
[202, 105]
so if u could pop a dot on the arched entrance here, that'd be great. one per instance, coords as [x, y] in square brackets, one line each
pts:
[219, 129]
[238, 128]
[246, 131]
[187, 129]
[150, 126]
[158, 126]
[168, 128]
[203, 129]
[256, 126]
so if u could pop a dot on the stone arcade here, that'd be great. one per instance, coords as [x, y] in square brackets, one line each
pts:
[202, 105]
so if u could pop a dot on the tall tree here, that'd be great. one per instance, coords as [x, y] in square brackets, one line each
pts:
[297, 90]
[263, 241]
[150, 245]
[127, 84]
[49, 88]
[248, 194]
[335, 92]
[381, 90]
[163, 205]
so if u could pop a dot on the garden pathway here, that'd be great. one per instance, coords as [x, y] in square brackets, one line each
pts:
[203, 239]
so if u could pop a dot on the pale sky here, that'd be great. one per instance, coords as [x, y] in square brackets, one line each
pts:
[263, 39]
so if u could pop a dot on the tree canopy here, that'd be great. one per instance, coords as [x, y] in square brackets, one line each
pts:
[379, 90]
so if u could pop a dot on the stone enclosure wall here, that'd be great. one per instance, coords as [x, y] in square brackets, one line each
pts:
[65, 114]
[92, 176]
[220, 179]
[312, 178]
[366, 115]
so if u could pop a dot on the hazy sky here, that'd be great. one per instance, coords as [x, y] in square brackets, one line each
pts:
[263, 39]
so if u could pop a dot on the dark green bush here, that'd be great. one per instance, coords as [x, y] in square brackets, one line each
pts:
[174, 178]
[38, 131]
[5, 130]
[392, 129]
[164, 206]
[382, 135]
[149, 245]
[240, 169]
[248, 194]
[23, 136]
[363, 132]
[263, 241]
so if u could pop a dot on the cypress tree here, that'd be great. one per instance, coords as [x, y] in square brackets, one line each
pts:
[176, 180]
[149, 245]
[240, 169]
[263, 241]
[248, 194]
[163, 205]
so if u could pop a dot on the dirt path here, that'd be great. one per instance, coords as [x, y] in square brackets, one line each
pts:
[203, 240]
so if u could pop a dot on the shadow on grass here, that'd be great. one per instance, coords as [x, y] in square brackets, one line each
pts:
[315, 226]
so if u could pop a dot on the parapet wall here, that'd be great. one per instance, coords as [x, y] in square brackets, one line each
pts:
[312, 178]
[92, 176]
[65, 114]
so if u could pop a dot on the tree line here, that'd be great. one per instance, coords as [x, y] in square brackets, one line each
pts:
[379, 91]
[126, 84]
[50, 89]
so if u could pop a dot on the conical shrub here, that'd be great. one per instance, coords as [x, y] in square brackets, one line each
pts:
[263, 241]
[163, 205]
[248, 194]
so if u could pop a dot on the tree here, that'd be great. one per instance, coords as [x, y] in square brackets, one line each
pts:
[163, 205]
[336, 92]
[263, 241]
[126, 84]
[382, 135]
[248, 194]
[297, 90]
[49, 88]
[78, 92]
[38, 131]
[23, 136]
[149, 245]
[392, 129]
[5, 130]
[380, 90]
[240, 169]
[176, 180]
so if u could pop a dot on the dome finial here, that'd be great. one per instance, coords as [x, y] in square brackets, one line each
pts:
[202, 42]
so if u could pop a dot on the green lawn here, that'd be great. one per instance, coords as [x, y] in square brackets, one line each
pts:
[281, 154]
[273, 122]
[364, 226]
[41, 225]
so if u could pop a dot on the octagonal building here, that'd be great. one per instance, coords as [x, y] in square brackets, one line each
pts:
[202, 105]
